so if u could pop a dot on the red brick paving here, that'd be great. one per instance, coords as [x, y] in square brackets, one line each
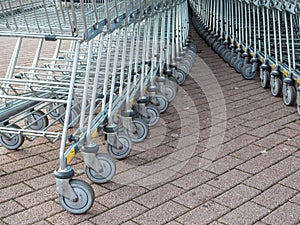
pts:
[251, 177]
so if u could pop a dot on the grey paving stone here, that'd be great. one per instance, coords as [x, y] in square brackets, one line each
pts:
[86, 223]
[173, 223]
[159, 195]
[42, 222]
[37, 197]
[191, 165]
[286, 214]
[119, 214]
[14, 191]
[34, 214]
[121, 195]
[296, 199]
[193, 179]
[257, 123]
[198, 196]
[236, 144]
[224, 164]
[264, 130]
[292, 181]
[9, 208]
[274, 196]
[203, 214]
[288, 132]
[18, 177]
[5, 159]
[248, 152]
[128, 177]
[158, 179]
[129, 223]
[248, 213]
[271, 140]
[237, 196]
[267, 158]
[273, 174]
[64, 217]
[161, 214]
[229, 179]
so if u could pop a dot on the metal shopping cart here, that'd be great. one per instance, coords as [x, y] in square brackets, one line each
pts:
[259, 35]
[37, 98]
[99, 67]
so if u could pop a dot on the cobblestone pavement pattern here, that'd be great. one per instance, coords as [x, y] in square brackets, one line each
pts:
[253, 177]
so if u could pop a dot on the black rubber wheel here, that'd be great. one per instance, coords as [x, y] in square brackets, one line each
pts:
[153, 115]
[247, 72]
[163, 103]
[85, 194]
[226, 54]
[12, 141]
[181, 77]
[109, 170]
[232, 59]
[36, 120]
[289, 94]
[238, 65]
[276, 86]
[220, 50]
[141, 132]
[265, 78]
[123, 149]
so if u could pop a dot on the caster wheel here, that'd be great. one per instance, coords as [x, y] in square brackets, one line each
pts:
[55, 110]
[265, 78]
[209, 39]
[172, 82]
[247, 72]
[109, 170]
[216, 45]
[12, 141]
[123, 149]
[189, 60]
[141, 131]
[170, 93]
[289, 94]
[184, 68]
[298, 102]
[85, 198]
[181, 77]
[73, 118]
[220, 51]
[153, 115]
[238, 65]
[163, 103]
[173, 79]
[37, 120]
[226, 54]
[192, 47]
[276, 86]
[232, 59]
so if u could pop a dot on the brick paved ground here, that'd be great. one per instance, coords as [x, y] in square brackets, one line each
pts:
[226, 152]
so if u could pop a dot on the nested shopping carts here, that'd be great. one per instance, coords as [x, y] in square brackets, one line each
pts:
[98, 67]
[255, 36]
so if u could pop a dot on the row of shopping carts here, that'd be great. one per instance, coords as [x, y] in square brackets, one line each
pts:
[114, 67]
[256, 35]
